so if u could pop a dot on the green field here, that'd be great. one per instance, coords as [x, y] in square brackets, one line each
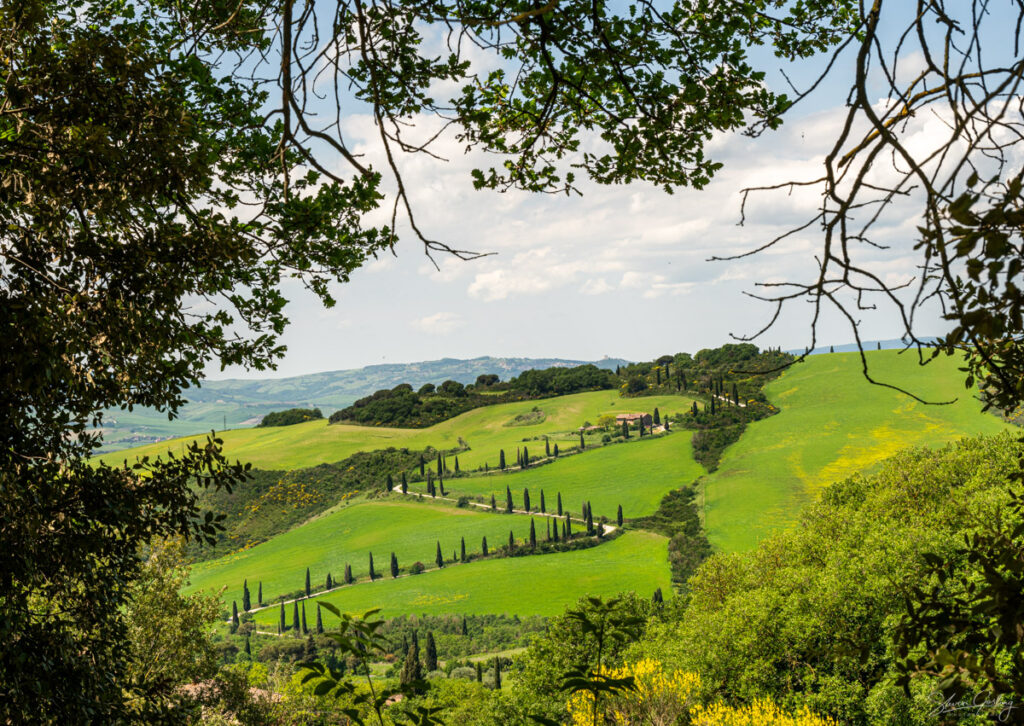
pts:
[533, 585]
[408, 527]
[833, 423]
[483, 429]
[635, 474]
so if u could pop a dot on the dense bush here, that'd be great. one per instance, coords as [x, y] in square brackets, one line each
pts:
[562, 381]
[809, 618]
[400, 406]
[677, 518]
[289, 417]
[709, 444]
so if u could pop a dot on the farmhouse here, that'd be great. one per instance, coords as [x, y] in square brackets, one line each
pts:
[634, 418]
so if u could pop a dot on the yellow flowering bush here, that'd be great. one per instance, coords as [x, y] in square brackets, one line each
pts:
[759, 713]
[659, 697]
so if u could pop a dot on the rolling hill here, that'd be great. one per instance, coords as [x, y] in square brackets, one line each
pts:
[832, 424]
[238, 403]
[484, 430]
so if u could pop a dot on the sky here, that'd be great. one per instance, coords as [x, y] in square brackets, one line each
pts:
[622, 271]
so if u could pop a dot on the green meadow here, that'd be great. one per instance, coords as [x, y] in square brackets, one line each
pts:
[531, 585]
[832, 424]
[485, 430]
[349, 534]
[636, 475]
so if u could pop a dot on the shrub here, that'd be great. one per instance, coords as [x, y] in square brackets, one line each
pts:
[416, 568]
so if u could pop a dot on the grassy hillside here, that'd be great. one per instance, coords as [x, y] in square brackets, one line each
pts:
[485, 430]
[242, 402]
[635, 474]
[833, 423]
[406, 526]
[634, 561]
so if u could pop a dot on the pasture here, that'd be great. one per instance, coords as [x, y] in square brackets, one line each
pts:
[349, 534]
[531, 585]
[832, 424]
[636, 474]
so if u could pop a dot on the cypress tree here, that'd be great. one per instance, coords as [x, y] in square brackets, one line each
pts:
[559, 504]
[625, 429]
[439, 558]
[712, 405]
[280, 621]
[831, 349]
[618, 517]
[583, 444]
[405, 484]
[547, 447]
[501, 460]
[430, 655]
[308, 589]
[568, 526]
[600, 530]
[565, 530]
[533, 535]
[462, 554]
[234, 613]
[554, 532]
[548, 523]
[319, 621]
[246, 603]
[483, 547]
[511, 541]
[497, 674]
[305, 630]
[641, 427]
[390, 483]
[465, 626]
[394, 565]
[879, 345]
[248, 648]
[526, 457]
[440, 483]
[494, 504]
[440, 465]
[590, 520]
[542, 508]
[348, 574]
[657, 416]
[508, 500]
[295, 616]
[666, 423]
[259, 594]
[526, 499]
[372, 573]
[556, 451]
[657, 372]
[411, 669]
[657, 598]
[456, 465]
[330, 582]
[694, 408]
[423, 465]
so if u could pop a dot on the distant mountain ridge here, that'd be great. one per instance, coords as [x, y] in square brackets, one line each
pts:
[236, 403]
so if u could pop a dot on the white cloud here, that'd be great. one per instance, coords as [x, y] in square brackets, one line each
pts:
[439, 323]
[596, 286]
